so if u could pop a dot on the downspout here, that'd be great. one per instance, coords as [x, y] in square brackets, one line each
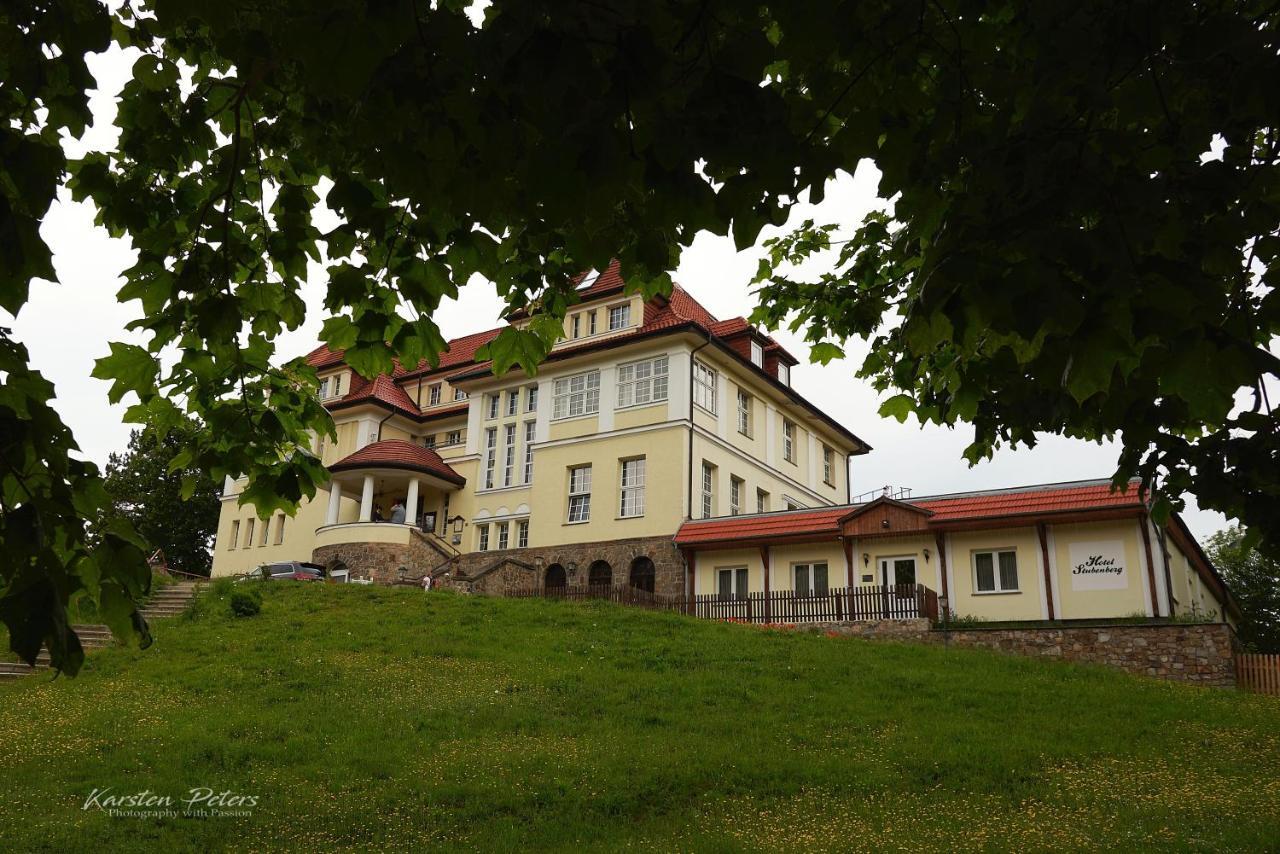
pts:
[689, 485]
[689, 553]
[380, 423]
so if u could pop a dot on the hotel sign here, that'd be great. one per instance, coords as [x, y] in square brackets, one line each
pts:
[1098, 565]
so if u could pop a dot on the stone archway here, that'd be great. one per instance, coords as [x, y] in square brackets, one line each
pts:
[642, 574]
[600, 574]
[555, 580]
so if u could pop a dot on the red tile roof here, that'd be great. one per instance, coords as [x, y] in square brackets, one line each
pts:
[398, 454]
[825, 521]
[383, 389]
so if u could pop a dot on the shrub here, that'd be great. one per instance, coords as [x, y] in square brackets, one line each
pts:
[245, 604]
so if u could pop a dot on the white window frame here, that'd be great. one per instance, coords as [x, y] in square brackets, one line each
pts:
[459, 394]
[522, 533]
[509, 458]
[513, 402]
[530, 428]
[531, 399]
[492, 403]
[433, 394]
[280, 517]
[619, 316]
[744, 413]
[575, 325]
[265, 534]
[235, 534]
[789, 440]
[490, 455]
[762, 500]
[736, 574]
[576, 396]
[784, 373]
[504, 535]
[631, 479]
[996, 580]
[324, 389]
[705, 384]
[643, 382]
[757, 354]
[828, 465]
[810, 589]
[453, 437]
[708, 490]
[482, 538]
[579, 509]
[248, 532]
[735, 495]
[591, 322]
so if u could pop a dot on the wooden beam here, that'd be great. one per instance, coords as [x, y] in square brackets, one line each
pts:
[691, 564]
[848, 559]
[764, 563]
[940, 540]
[1042, 532]
[1151, 566]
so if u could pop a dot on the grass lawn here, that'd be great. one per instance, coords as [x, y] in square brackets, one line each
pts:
[396, 720]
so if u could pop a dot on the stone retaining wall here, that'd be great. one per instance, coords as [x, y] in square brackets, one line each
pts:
[498, 572]
[1201, 653]
[382, 562]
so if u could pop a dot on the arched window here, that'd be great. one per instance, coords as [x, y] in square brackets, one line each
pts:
[556, 580]
[642, 574]
[600, 574]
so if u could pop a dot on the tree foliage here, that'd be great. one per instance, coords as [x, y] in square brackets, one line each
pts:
[1254, 579]
[1059, 257]
[173, 510]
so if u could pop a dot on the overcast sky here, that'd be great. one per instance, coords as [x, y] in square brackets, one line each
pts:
[67, 326]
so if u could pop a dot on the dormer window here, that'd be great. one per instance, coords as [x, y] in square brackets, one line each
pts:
[324, 389]
[757, 354]
[620, 317]
[591, 322]
[459, 394]
[575, 326]
[433, 396]
[784, 373]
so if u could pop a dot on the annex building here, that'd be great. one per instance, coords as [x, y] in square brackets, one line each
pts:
[664, 450]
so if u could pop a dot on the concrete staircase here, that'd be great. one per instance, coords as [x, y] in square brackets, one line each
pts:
[169, 601]
[91, 637]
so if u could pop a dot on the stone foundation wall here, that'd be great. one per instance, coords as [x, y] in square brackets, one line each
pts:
[497, 572]
[909, 630]
[1199, 653]
[382, 561]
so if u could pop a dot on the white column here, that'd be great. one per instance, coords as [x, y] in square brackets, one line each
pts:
[411, 503]
[335, 503]
[366, 500]
[608, 398]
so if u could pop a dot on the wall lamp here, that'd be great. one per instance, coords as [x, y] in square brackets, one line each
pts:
[866, 559]
[926, 555]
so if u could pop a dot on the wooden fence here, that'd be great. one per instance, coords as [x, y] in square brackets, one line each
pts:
[867, 602]
[1258, 672]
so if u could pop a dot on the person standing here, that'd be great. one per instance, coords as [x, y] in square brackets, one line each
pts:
[397, 512]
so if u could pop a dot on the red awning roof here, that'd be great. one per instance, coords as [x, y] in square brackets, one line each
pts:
[992, 504]
[399, 454]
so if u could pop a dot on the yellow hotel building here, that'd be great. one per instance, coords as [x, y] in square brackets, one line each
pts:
[662, 449]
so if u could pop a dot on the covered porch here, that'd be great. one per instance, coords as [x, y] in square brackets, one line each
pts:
[395, 483]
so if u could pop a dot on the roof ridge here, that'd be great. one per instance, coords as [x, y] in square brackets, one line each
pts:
[1009, 490]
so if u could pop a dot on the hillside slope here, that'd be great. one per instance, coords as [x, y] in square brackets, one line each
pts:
[397, 720]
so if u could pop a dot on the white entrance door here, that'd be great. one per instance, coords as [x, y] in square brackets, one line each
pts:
[897, 571]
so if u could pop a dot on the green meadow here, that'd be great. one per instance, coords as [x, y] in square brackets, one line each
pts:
[393, 720]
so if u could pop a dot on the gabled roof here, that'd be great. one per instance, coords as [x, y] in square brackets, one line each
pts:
[399, 454]
[382, 389]
[826, 522]
[661, 316]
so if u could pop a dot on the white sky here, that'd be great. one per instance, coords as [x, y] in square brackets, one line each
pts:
[67, 326]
